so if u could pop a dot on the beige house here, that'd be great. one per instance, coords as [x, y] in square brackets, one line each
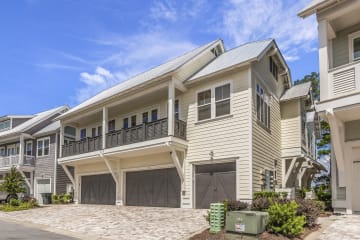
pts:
[203, 127]
[339, 55]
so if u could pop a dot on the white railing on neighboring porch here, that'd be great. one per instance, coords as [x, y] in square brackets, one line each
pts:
[344, 80]
[8, 161]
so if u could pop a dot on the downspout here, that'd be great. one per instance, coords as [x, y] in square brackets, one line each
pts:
[55, 161]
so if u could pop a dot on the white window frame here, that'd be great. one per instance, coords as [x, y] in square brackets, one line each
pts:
[351, 37]
[3, 148]
[267, 124]
[211, 105]
[37, 147]
[32, 147]
[213, 102]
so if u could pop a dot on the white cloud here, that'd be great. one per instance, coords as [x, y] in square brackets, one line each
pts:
[132, 55]
[94, 83]
[245, 21]
[163, 10]
[52, 66]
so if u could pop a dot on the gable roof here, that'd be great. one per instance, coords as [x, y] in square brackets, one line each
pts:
[52, 127]
[314, 6]
[242, 54]
[38, 118]
[156, 72]
[297, 91]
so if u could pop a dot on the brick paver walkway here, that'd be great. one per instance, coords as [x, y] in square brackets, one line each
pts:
[113, 222]
[346, 227]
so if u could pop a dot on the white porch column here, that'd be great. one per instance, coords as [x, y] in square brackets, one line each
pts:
[119, 185]
[21, 149]
[171, 101]
[61, 143]
[104, 126]
[32, 183]
[323, 59]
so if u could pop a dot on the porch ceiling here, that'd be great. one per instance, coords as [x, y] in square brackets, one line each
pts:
[349, 113]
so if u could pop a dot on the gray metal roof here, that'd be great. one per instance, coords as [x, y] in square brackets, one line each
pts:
[38, 117]
[144, 77]
[53, 127]
[241, 54]
[297, 91]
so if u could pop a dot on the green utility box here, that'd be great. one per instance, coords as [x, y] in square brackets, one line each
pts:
[249, 222]
[216, 217]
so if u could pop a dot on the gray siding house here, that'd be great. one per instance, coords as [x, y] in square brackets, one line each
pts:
[30, 143]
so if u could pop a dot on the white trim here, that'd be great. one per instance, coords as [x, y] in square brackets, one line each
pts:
[250, 92]
[212, 100]
[37, 146]
[351, 38]
[55, 161]
[32, 147]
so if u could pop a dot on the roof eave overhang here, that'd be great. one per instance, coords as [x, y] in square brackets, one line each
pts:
[316, 8]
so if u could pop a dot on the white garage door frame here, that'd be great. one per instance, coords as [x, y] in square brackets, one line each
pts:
[37, 196]
[137, 169]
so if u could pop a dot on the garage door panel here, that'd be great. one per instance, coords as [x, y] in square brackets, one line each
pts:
[214, 183]
[157, 188]
[98, 189]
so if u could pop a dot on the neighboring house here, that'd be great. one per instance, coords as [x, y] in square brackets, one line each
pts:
[28, 143]
[203, 127]
[299, 131]
[339, 55]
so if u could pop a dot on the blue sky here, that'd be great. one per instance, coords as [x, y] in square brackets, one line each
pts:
[62, 52]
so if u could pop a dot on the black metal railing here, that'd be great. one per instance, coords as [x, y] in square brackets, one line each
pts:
[139, 133]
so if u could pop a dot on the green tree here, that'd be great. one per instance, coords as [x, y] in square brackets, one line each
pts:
[324, 142]
[13, 183]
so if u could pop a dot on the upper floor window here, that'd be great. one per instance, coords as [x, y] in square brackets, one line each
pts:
[93, 132]
[4, 125]
[43, 146]
[222, 100]
[125, 123]
[154, 115]
[145, 117]
[133, 121]
[29, 149]
[99, 130]
[204, 105]
[83, 133]
[111, 125]
[262, 106]
[273, 68]
[176, 109]
[354, 43]
[2, 151]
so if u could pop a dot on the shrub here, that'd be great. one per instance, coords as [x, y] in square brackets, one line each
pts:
[261, 203]
[31, 201]
[15, 202]
[236, 205]
[309, 209]
[320, 205]
[283, 219]
[325, 196]
[62, 198]
[267, 194]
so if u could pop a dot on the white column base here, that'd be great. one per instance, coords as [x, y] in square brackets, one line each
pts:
[119, 203]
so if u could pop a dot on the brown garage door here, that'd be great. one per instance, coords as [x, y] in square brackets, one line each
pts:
[214, 183]
[155, 188]
[98, 189]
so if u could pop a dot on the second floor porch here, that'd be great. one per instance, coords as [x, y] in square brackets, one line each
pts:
[16, 160]
[125, 136]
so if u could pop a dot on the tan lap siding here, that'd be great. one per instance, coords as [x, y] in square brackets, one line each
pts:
[226, 137]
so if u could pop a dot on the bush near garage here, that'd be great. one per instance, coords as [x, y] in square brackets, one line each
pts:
[18, 205]
[62, 198]
[310, 209]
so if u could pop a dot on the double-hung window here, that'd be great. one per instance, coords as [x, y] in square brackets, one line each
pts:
[222, 100]
[204, 105]
[354, 43]
[111, 125]
[176, 109]
[29, 149]
[83, 134]
[133, 121]
[263, 112]
[154, 115]
[125, 123]
[43, 146]
[145, 117]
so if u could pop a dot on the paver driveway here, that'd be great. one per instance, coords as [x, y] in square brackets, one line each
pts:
[113, 222]
[344, 227]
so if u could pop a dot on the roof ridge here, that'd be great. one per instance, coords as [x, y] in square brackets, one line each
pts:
[151, 68]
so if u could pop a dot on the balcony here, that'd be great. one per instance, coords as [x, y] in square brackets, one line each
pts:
[140, 133]
[14, 160]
